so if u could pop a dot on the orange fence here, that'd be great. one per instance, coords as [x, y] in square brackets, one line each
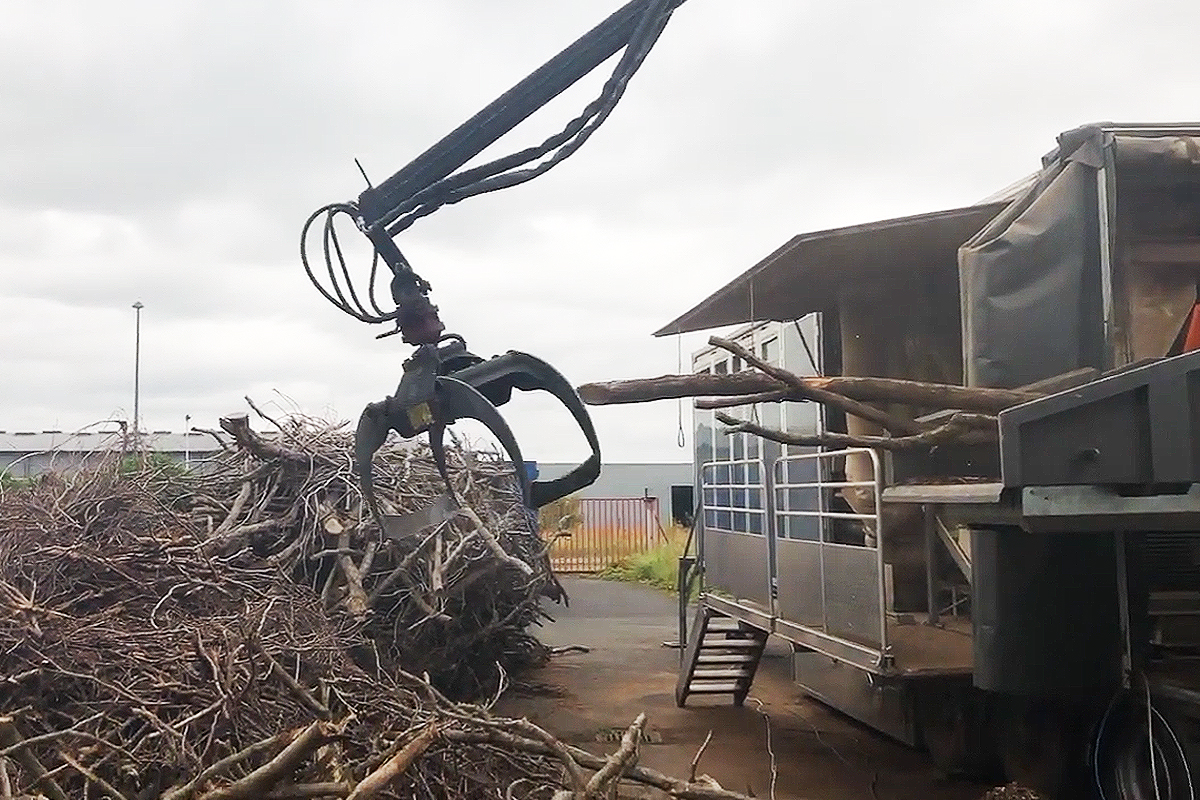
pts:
[606, 530]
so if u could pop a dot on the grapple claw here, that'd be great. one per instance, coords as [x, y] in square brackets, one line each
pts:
[444, 383]
[372, 432]
[458, 400]
[497, 377]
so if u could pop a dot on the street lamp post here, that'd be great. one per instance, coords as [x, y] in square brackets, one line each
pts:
[137, 359]
[187, 440]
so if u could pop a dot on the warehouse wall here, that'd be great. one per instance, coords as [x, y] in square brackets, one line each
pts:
[636, 480]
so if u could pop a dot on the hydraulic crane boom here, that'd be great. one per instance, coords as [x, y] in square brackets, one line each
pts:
[442, 381]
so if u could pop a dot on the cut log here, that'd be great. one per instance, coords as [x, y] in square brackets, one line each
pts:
[238, 426]
[962, 428]
[864, 389]
[890, 422]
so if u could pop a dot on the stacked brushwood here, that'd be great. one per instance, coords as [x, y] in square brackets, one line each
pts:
[243, 630]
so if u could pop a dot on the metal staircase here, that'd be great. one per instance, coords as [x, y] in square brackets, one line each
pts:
[721, 657]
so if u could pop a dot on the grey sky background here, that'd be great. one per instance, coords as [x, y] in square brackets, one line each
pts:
[169, 152]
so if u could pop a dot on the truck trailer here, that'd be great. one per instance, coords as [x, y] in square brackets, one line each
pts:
[1026, 607]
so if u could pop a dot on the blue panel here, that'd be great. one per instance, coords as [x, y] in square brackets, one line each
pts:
[704, 437]
[802, 471]
[807, 529]
[721, 447]
[803, 528]
[803, 499]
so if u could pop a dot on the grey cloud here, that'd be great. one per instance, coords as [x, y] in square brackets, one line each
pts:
[170, 152]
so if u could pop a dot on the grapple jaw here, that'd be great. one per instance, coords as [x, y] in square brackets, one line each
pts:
[445, 383]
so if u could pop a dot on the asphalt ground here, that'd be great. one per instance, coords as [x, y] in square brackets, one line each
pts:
[779, 744]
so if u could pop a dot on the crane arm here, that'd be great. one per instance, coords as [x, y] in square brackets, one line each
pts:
[442, 381]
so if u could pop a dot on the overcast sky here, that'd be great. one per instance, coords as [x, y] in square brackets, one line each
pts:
[169, 152]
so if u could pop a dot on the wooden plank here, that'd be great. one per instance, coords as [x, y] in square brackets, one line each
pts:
[730, 644]
[982, 493]
[714, 688]
[719, 674]
[930, 649]
[713, 659]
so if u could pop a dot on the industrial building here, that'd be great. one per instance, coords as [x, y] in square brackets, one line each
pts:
[26, 454]
[670, 484]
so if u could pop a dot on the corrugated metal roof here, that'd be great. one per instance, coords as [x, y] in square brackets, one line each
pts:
[91, 441]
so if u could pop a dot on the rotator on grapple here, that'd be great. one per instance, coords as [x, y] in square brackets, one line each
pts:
[442, 381]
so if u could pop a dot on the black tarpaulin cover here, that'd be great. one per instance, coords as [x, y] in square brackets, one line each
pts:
[1031, 302]
[1031, 280]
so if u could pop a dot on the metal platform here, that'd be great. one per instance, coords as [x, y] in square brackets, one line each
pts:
[1057, 509]
[1137, 427]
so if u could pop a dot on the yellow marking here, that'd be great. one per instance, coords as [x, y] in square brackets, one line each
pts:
[420, 416]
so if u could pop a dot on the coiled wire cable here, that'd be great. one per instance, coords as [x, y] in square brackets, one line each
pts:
[1157, 752]
[500, 173]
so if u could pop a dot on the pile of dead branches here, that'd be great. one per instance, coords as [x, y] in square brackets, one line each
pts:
[242, 630]
[452, 602]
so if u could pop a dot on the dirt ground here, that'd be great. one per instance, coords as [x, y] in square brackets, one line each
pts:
[818, 754]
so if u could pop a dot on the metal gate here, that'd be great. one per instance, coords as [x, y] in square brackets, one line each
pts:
[734, 541]
[607, 530]
[831, 593]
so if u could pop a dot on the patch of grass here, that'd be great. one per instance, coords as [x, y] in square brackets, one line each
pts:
[14, 483]
[657, 567]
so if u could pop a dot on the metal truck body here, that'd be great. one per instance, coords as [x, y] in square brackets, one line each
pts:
[1007, 607]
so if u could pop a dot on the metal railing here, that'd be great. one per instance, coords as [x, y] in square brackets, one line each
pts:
[606, 531]
[824, 514]
[688, 572]
[726, 482]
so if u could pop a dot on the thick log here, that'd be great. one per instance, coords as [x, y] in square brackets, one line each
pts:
[888, 390]
[258, 782]
[395, 766]
[962, 428]
[238, 426]
[890, 422]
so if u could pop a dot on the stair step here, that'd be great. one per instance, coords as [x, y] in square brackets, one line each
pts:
[715, 688]
[731, 644]
[724, 624]
[720, 658]
[734, 658]
[711, 634]
[720, 674]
